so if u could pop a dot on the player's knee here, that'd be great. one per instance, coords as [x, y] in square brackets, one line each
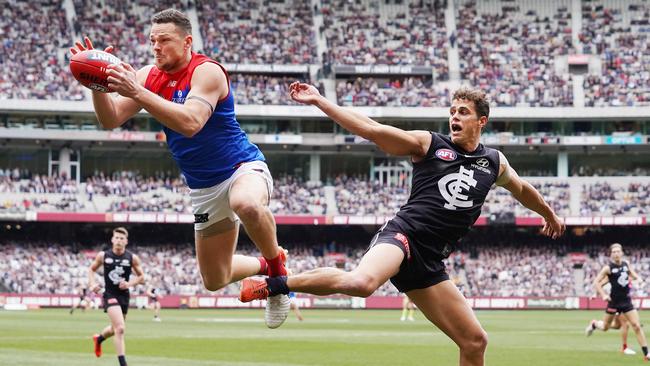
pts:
[362, 285]
[214, 282]
[248, 210]
[475, 342]
[636, 326]
[119, 329]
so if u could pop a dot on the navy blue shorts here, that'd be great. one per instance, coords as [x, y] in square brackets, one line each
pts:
[416, 271]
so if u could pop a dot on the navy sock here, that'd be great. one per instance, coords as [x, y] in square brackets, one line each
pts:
[122, 360]
[100, 339]
[277, 285]
[645, 350]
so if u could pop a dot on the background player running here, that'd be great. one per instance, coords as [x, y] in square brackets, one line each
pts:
[84, 299]
[118, 263]
[408, 308]
[154, 302]
[619, 274]
[451, 177]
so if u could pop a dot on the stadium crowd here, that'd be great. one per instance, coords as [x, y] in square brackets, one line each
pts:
[394, 92]
[619, 35]
[511, 51]
[510, 54]
[129, 191]
[31, 64]
[484, 268]
[414, 34]
[256, 32]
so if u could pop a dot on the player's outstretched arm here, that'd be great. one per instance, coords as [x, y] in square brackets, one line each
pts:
[208, 86]
[98, 261]
[389, 139]
[525, 193]
[111, 112]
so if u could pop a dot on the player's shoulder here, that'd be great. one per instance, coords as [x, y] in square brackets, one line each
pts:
[144, 72]
[208, 70]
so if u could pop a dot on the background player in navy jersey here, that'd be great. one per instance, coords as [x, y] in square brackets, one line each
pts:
[117, 264]
[84, 299]
[227, 175]
[619, 274]
[154, 302]
[451, 177]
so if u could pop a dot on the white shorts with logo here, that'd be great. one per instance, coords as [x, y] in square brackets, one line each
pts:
[215, 201]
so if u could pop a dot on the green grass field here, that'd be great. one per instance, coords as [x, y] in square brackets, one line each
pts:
[326, 337]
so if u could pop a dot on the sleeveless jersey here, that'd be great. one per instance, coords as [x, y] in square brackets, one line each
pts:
[214, 153]
[620, 281]
[117, 268]
[448, 190]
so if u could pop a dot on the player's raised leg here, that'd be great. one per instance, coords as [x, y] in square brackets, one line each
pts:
[379, 264]
[249, 198]
[445, 307]
[215, 248]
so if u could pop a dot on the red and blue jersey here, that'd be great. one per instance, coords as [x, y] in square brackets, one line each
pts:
[214, 153]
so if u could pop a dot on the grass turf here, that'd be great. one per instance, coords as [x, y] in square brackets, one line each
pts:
[326, 337]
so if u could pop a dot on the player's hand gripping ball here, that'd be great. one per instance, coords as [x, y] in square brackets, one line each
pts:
[89, 68]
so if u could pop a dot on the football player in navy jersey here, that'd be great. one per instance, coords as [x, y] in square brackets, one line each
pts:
[117, 263]
[620, 275]
[451, 177]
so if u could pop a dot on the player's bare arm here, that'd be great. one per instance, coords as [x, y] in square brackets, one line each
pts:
[389, 139]
[94, 266]
[633, 274]
[601, 279]
[525, 193]
[208, 86]
[139, 275]
[112, 111]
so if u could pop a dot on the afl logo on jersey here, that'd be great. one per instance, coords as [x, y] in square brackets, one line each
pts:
[108, 260]
[446, 154]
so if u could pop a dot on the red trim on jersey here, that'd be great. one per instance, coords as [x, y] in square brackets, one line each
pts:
[157, 80]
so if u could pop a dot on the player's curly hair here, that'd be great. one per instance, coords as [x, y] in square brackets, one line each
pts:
[477, 96]
[173, 16]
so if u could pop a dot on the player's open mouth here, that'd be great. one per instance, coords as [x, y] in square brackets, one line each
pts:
[455, 127]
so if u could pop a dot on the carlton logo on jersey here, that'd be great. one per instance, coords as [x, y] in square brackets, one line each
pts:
[452, 185]
[116, 275]
[446, 154]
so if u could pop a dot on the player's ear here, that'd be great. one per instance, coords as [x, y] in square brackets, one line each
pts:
[482, 121]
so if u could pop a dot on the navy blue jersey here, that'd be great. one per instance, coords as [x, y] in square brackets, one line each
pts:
[448, 190]
[117, 268]
[619, 278]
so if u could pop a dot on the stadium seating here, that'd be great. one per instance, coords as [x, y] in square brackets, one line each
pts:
[531, 269]
[510, 51]
[618, 33]
[357, 196]
[256, 32]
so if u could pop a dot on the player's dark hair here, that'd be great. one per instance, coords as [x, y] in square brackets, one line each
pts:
[121, 230]
[477, 96]
[173, 16]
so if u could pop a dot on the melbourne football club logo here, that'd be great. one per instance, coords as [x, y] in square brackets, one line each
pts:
[452, 185]
[446, 154]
